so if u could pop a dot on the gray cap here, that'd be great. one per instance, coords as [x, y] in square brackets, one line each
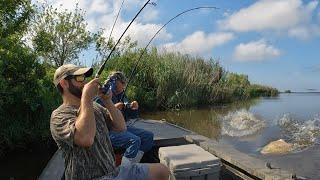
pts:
[68, 70]
[117, 75]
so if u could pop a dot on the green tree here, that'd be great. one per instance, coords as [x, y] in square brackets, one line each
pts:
[21, 107]
[104, 46]
[60, 36]
[14, 17]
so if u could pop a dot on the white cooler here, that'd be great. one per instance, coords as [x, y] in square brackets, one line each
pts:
[190, 162]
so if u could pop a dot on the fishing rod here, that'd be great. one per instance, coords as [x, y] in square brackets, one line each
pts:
[114, 47]
[115, 22]
[145, 48]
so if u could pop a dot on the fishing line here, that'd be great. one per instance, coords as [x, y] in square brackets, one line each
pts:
[115, 22]
[145, 48]
[114, 47]
[104, 49]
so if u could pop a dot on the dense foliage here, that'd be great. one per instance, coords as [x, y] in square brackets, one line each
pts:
[173, 80]
[25, 85]
[161, 81]
[59, 37]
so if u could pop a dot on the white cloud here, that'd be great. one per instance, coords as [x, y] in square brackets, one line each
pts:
[274, 15]
[199, 43]
[137, 31]
[303, 32]
[255, 51]
[133, 4]
[94, 6]
[144, 32]
[150, 14]
[99, 6]
[101, 14]
[300, 32]
[70, 4]
[92, 25]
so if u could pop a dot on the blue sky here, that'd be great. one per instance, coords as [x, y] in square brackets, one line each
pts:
[275, 42]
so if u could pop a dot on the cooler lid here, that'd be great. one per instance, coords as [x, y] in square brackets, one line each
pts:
[187, 157]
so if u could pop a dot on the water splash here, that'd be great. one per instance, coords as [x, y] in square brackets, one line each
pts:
[301, 134]
[241, 123]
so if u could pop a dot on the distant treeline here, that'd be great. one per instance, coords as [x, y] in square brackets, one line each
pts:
[162, 80]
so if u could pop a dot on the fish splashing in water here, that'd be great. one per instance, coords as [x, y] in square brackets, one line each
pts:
[301, 134]
[241, 123]
[277, 147]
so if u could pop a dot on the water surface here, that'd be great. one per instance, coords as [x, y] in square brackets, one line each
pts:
[293, 117]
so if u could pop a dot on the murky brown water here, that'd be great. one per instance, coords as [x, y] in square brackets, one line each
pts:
[250, 125]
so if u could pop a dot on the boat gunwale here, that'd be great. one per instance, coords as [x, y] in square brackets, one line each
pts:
[242, 165]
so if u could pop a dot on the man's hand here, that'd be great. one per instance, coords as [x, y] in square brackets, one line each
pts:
[134, 105]
[119, 105]
[90, 90]
[106, 97]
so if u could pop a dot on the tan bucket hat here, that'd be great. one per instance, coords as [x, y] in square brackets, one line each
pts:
[70, 70]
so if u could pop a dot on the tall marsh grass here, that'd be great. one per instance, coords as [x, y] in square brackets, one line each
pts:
[174, 81]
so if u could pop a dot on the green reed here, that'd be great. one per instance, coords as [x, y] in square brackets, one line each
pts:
[173, 81]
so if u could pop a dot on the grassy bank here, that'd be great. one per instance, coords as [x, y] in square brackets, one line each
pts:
[173, 80]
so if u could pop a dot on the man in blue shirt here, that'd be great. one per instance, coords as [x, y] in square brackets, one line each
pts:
[135, 141]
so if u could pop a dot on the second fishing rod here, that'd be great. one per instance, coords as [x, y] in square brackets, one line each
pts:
[136, 63]
[111, 83]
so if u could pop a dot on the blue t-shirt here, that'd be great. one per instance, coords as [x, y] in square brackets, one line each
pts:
[127, 112]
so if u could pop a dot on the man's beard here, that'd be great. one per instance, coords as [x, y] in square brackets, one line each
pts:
[75, 90]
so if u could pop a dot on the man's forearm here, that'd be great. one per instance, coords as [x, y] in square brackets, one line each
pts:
[85, 124]
[116, 116]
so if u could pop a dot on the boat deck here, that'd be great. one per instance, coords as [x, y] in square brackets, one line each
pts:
[236, 165]
[165, 134]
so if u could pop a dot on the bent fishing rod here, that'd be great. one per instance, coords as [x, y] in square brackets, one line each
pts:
[114, 47]
[145, 48]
